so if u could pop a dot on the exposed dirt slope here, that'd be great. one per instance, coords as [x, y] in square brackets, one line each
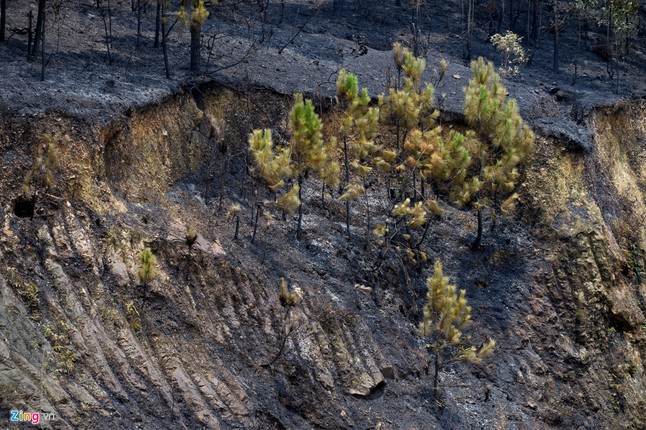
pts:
[560, 287]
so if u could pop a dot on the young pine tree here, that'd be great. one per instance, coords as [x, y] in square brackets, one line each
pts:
[408, 107]
[446, 315]
[411, 105]
[147, 269]
[359, 125]
[272, 166]
[309, 153]
[502, 142]
[289, 325]
[442, 161]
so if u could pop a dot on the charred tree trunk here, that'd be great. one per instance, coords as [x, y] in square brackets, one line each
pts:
[3, 19]
[300, 209]
[556, 37]
[436, 375]
[223, 171]
[139, 8]
[40, 18]
[196, 35]
[107, 24]
[255, 223]
[235, 236]
[30, 34]
[157, 24]
[476, 243]
[535, 21]
[43, 62]
[347, 182]
[164, 43]
[470, 23]
[609, 47]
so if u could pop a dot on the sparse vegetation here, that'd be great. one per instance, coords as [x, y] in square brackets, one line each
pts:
[132, 314]
[61, 346]
[191, 235]
[29, 292]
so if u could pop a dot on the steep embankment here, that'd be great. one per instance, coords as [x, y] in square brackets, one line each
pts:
[560, 287]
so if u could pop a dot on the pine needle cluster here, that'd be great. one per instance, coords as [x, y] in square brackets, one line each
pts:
[195, 17]
[414, 215]
[506, 140]
[359, 123]
[289, 298]
[409, 105]
[273, 165]
[289, 201]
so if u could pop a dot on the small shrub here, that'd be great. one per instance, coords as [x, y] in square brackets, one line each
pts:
[191, 235]
[29, 292]
[147, 269]
[513, 54]
[132, 314]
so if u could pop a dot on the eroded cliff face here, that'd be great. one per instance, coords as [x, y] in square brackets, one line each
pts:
[587, 211]
[560, 287]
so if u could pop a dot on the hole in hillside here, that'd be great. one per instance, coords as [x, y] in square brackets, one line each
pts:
[198, 96]
[24, 207]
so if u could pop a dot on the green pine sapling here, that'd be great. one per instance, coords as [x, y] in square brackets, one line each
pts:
[446, 315]
[359, 125]
[502, 142]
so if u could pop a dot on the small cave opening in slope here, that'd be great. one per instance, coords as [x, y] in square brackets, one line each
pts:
[24, 207]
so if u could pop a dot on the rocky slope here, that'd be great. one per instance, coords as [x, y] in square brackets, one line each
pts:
[560, 287]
